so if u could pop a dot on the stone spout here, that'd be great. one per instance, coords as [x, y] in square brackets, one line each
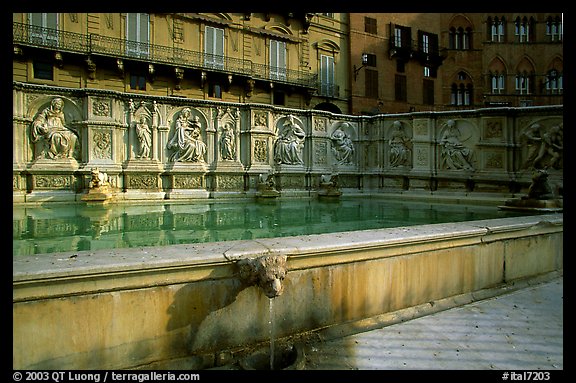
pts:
[267, 272]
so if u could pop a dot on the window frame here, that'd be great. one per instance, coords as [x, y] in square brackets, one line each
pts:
[137, 44]
[214, 42]
[278, 55]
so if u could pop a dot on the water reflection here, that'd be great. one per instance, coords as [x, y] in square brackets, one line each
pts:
[38, 230]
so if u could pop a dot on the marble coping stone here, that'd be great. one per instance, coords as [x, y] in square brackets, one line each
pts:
[156, 258]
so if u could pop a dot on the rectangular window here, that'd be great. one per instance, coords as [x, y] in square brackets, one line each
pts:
[428, 92]
[522, 31]
[497, 31]
[327, 86]
[214, 48]
[371, 83]
[400, 91]
[277, 60]
[425, 43]
[400, 66]
[137, 82]
[554, 30]
[497, 84]
[370, 59]
[137, 34]
[522, 85]
[370, 25]
[44, 28]
[402, 37]
[214, 90]
[43, 70]
[279, 97]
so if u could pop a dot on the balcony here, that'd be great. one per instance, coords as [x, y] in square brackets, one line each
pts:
[434, 57]
[94, 44]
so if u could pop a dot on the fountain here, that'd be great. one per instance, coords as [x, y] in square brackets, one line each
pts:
[267, 186]
[159, 149]
[329, 186]
[99, 192]
[267, 272]
[540, 196]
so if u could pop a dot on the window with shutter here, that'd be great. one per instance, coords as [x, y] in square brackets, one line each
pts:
[327, 87]
[44, 29]
[214, 48]
[138, 34]
[277, 60]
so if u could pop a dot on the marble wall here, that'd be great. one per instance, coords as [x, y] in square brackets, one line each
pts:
[176, 148]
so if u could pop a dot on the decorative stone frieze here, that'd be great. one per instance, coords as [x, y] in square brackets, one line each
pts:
[175, 145]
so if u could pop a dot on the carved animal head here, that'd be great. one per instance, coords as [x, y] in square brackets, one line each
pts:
[267, 272]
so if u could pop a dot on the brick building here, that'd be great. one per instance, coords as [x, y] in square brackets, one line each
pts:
[405, 62]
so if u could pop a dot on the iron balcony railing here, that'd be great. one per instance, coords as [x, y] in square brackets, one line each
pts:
[94, 44]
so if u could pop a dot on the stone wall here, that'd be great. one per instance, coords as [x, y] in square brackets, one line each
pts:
[183, 306]
[134, 139]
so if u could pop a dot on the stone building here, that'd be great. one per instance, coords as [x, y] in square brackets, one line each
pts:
[294, 60]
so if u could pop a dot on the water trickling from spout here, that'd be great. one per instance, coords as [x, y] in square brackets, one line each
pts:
[271, 323]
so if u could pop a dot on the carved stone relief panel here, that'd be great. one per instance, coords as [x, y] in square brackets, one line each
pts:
[542, 144]
[319, 124]
[101, 107]
[421, 156]
[228, 131]
[399, 140]
[188, 181]
[493, 159]
[261, 150]
[420, 128]
[320, 153]
[143, 181]
[343, 148]
[52, 134]
[493, 129]
[102, 144]
[260, 119]
[52, 182]
[289, 144]
[457, 140]
[187, 140]
[230, 182]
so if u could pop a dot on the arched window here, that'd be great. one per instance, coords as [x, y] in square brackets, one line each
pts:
[554, 28]
[554, 82]
[524, 29]
[497, 82]
[462, 91]
[523, 83]
[496, 29]
[452, 38]
[460, 33]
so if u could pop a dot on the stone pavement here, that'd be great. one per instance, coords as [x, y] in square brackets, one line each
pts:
[517, 328]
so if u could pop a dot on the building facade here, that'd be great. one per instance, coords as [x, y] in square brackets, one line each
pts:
[293, 60]
[449, 61]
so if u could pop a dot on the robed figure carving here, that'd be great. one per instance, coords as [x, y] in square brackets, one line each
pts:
[187, 139]
[290, 143]
[50, 135]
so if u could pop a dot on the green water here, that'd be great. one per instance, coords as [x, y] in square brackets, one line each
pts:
[40, 230]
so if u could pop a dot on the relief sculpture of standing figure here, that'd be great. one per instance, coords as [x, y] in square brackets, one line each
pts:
[144, 137]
